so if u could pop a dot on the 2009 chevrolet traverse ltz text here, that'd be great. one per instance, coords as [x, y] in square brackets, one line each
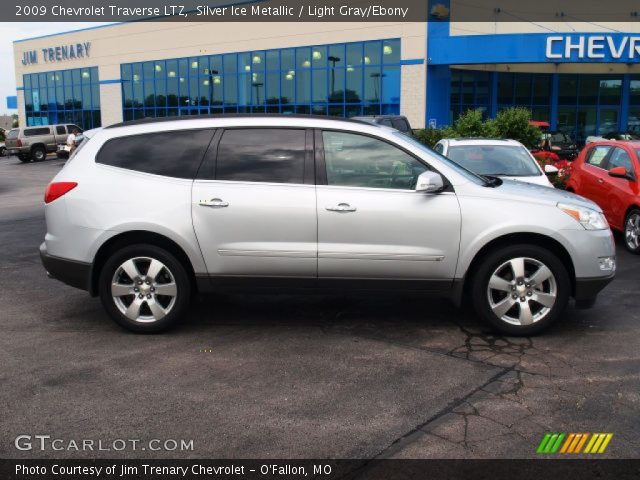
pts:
[148, 212]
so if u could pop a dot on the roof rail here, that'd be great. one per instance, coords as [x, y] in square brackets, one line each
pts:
[144, 121]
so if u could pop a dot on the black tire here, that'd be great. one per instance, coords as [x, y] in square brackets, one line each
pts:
[630, 224]
[558, 284]
[38, 154]
[24, 158]
[176, 271]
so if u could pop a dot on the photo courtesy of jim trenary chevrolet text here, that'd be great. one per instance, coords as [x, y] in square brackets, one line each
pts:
[329, 239]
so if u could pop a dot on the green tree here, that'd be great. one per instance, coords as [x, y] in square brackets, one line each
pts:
[513, 123]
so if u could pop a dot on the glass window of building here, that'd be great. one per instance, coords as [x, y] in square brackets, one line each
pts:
[64, 96]
[345, 79]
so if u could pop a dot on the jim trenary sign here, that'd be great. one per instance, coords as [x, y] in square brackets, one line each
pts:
[59, 53]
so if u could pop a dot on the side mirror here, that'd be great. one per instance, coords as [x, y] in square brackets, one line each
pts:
[551, 170]
[620, 172]
[429, 182]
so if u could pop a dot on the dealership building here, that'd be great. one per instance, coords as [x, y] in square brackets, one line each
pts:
[581, 77]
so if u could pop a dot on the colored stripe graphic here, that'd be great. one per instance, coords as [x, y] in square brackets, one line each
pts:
[572, 443]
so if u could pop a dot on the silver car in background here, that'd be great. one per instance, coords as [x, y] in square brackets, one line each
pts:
[497, 158]
[148, 212]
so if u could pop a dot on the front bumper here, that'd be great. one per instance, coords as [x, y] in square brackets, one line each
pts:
[587, 290]
[73, 273]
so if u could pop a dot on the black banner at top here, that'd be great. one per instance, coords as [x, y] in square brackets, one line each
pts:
[624, 12]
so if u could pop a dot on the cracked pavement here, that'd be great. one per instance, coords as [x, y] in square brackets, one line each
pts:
[295, 377]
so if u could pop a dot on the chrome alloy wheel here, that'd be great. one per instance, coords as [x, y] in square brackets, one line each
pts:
[144, 297]
[632, 231]
[522, 291]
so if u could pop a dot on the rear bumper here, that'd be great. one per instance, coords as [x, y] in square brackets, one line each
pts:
[587, 289]
[73, 273]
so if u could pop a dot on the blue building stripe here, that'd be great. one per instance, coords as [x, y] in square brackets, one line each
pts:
[107, 82]
[412, 61]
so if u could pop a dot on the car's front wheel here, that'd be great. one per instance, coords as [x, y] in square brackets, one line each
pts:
[520, 289]
[144, 288]
[632, 231]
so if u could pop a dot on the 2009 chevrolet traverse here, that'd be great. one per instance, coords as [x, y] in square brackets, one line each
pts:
[147, 212]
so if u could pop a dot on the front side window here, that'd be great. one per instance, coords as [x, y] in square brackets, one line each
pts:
[505, 160]
[620, 158]
[172, 154]
[596, 155]
[354, 160]
[272, 155]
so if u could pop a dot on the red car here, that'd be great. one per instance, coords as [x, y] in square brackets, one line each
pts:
[608, 172]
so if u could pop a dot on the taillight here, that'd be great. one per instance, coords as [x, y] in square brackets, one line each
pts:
[18, 143]
[58, 189]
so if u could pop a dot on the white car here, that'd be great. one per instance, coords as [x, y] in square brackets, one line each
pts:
[496, 158]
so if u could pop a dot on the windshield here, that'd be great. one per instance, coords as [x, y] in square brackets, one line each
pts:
[468, 174]
[508, 160]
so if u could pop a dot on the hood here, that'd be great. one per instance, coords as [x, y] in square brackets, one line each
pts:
[519, 191]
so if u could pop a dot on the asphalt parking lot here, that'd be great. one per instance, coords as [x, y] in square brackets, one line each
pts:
[301, 377]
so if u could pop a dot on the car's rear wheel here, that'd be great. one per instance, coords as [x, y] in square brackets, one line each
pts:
[632, 231]
[38, 154]
[144, 288]
[520, 289]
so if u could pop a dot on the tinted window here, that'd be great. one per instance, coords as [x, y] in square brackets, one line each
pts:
[400, 124]
[262, 155]
[30, 132]
[13, 134]
[495, 160]
[359, 161]
[60, 130]
[620, 158]
[439, 148]
[172, 154]
[72, 127]
[386, 122]
[596, 155]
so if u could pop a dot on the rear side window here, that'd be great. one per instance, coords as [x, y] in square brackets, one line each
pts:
[596, 155]
[274, 155]
[400, 124]
[171, 154]
[60, 130]
[13, 134]
[31, 132]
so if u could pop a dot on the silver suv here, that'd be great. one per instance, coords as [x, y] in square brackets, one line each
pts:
[149, 212]
[33, 143]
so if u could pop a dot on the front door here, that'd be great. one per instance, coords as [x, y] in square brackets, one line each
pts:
[373, 225]
[257, 217]
[594, 175]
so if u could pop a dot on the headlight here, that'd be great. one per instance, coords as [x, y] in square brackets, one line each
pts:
[588, 218]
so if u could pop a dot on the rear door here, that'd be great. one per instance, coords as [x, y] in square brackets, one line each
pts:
[254, 207]
[374, 229]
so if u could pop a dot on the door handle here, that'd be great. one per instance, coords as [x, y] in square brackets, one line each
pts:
[600, 180]
[214, 202]
[342, 207]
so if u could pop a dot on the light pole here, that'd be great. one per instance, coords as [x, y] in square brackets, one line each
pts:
[333, 61]
[211, 74]
[377, 79]
[258, 85]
